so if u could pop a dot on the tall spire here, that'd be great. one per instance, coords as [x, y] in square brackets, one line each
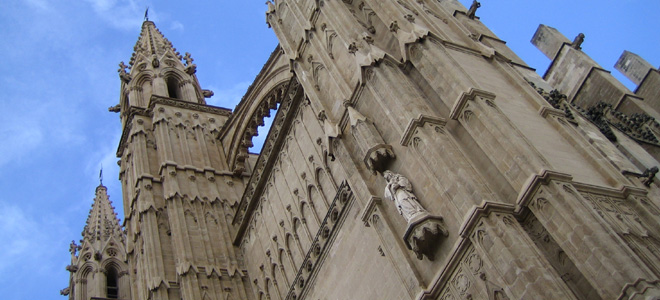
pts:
[103, 248]
[156, 68]
[102, 221]
[152, 46]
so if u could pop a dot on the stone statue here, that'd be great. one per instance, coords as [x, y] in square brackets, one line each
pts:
[473, 9]
[399, 190]
[577, 42]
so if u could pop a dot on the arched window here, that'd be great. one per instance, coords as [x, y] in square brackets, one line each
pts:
[111, 283]
[173, 90]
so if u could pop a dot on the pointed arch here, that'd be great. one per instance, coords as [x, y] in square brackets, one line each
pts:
[302, 233]
[325, 184]
[174, 80]
[280, 258]
[308, 213]
[317, 200]
[249, 116]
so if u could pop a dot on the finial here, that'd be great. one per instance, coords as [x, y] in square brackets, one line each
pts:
[473, 9]
[146, 14]
[577, 42]
[123, 75]
[101, 176]
[188, 58]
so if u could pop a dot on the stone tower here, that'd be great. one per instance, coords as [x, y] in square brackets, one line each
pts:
[413, 155]
[98, 265]
[175, 193]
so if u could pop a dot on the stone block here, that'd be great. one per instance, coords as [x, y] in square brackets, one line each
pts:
[633, 66]
[549, 40]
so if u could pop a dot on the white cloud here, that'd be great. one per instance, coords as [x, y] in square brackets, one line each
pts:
[35, 124]
[39, 4]
[176, 25]
[229, 96]
[121, 14]
[26, 244]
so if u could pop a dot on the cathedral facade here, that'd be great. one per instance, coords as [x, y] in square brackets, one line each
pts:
[412, 155]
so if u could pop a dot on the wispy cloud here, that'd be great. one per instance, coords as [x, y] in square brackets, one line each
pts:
[228, 96]
[35, 124]
[39, 4]
[121, 14]
[26, 245]
[176, 25]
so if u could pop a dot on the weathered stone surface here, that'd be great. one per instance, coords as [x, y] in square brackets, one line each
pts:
[519, 191]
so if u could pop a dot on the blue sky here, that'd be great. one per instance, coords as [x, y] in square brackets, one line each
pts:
[59, 76]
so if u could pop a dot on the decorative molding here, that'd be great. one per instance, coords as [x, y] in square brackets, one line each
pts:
[546, 110]
[478, 212]
[148, 112]
[269, 153]
[462, 100]
[370, 208]
[423, 235]
[420, 121]
[534, 182]
[328, 231]
[155, 99]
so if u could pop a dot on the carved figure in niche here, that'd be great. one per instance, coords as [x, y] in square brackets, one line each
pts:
[577, 42]
[473, 9]
[399, 190]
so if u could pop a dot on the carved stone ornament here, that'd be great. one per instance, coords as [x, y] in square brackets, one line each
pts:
[472, 11]
[377, 157]
[577, 42]
[424, 230]
[399, 190]
[375, 152]
[423, 234]
[123, 75]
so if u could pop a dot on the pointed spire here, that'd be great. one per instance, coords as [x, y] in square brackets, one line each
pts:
[102, 222]
[152, 46]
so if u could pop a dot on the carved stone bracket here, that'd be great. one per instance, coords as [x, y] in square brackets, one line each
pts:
[377, 157]
[376, 152]
[191, 69]
[72, 268]
[423, 234]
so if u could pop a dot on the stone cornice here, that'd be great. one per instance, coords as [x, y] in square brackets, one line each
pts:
[187, 105]
[168, 102]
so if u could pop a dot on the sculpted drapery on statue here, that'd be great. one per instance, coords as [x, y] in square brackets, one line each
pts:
[423, 231]
[399, 190]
